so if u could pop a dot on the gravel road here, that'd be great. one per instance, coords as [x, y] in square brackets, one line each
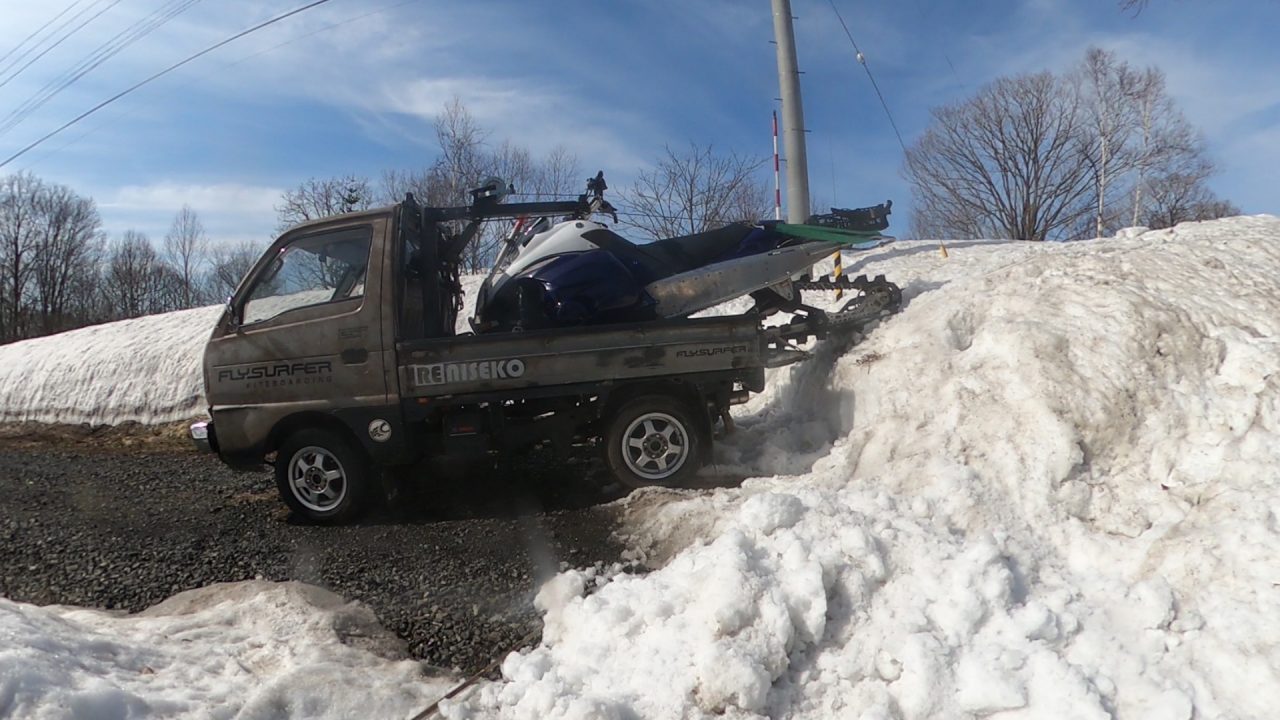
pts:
[453, 574]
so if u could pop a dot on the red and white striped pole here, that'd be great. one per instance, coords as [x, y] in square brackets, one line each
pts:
[777, 182]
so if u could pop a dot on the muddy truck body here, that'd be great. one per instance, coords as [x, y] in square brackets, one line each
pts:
[337, 361]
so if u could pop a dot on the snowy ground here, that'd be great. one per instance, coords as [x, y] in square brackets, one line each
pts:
[1048, 488]
[253, 650]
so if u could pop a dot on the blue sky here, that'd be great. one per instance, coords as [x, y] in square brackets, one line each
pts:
[611, 81]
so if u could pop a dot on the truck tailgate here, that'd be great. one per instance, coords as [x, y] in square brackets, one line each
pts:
[480, 363]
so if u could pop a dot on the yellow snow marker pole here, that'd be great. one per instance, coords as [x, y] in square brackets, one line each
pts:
[943, 248]
[837, 272]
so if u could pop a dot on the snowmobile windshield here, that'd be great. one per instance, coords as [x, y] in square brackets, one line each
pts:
[510, 249]
[520, 237]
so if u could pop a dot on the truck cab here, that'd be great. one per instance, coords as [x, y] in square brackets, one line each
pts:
[304, 336]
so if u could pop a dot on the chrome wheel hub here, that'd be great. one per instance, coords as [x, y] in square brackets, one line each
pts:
[317, 478]
[655, 446]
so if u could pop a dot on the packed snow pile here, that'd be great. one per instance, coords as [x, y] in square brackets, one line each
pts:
[145, 370]
[245, 650]
[1048, 488]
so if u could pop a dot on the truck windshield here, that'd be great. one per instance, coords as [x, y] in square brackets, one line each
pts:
[313, 270]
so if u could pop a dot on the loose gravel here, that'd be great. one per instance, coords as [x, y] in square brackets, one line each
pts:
[451, 571]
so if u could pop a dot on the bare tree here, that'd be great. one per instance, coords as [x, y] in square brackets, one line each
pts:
[1212, 208]
[558, 174]
[1181, 194]
[694, 190]
[1152, 103]
[87, 302]
[1036, 157]
[315, 199]
[465, 160]
[1008, 162]
[19, 211]
[138, 281]
[67, 251]
[1108, 87]
[1172, 156]
[396, 183]
[509, 163]
[128, 274]
[49, 250]
[1141, 143]
[228, 264]
[1134, 6]
[185, 246]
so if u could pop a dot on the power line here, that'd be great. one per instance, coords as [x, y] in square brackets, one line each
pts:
[43, 40]
[317, 31]
[58, 42]
[862, 60]
[38, 30]
[104, 52]
[221, 68]
[166, 71]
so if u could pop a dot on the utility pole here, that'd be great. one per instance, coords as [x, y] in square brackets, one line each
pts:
[792, 114]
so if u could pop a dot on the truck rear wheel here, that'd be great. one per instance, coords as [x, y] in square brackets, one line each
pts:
[320, 477]
[654, 440]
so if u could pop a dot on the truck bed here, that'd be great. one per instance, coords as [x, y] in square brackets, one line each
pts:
[469, 364]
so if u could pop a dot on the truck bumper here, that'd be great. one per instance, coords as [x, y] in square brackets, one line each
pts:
[203, 437]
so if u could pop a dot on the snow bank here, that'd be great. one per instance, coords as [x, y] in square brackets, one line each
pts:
[1047, 489]
[244, 650]
[145, 370]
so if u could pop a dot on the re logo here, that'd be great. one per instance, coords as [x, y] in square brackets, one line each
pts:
[448, 373]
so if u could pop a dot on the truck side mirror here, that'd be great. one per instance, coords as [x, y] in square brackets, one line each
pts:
[233, 323]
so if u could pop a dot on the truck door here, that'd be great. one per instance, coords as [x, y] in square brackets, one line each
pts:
[304, 334]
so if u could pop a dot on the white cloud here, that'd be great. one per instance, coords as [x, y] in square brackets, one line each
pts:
[229, 211]
[248, 198]
[537, 117]
[393, 63]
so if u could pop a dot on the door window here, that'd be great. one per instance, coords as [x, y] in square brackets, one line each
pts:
[313, 270]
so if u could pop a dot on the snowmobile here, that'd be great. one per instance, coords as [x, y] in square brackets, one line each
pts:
[576, 271]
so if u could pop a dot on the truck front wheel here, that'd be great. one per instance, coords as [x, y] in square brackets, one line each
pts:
[654, 440]
[320, 477]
